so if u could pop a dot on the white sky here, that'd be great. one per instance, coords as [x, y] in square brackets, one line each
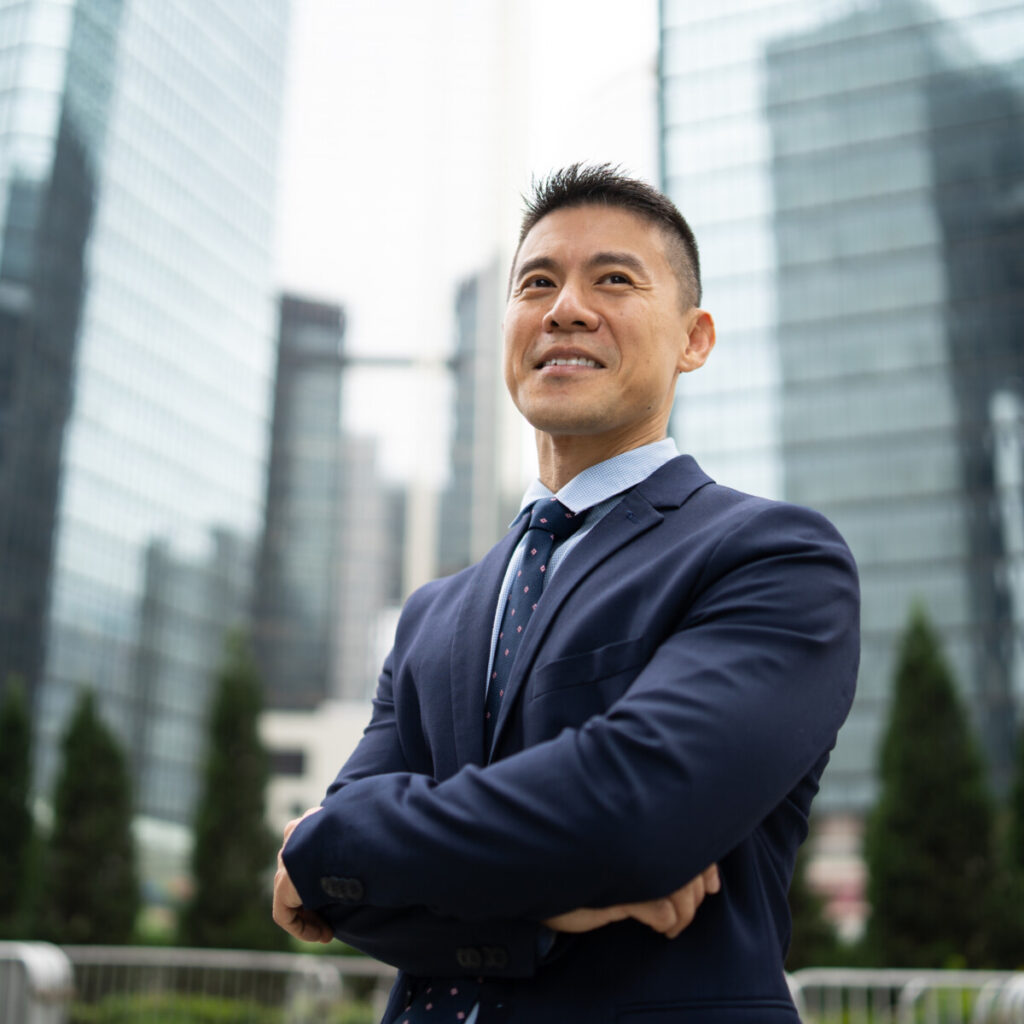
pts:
[410, 130]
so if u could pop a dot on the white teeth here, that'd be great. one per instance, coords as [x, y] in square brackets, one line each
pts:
[575, 361]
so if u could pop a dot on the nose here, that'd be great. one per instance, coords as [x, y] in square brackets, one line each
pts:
[570, 312]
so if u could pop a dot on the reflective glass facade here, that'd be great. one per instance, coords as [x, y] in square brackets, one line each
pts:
[472, 512]
[138, 146]
[854, 173]
[296, 600]
[332, 539]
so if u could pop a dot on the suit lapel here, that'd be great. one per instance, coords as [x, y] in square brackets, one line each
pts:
[626, 521]
[638, 512]
[471, 647]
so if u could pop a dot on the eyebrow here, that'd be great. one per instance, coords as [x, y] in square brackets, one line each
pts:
[599, 259]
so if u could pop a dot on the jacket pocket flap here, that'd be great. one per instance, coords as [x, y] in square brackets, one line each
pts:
[589, 666]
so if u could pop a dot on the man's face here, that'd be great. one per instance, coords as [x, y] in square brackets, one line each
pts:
[595, 329]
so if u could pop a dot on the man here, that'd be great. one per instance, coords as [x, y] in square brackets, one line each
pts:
[534, 816]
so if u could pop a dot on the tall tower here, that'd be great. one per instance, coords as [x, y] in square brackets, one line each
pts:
[853, 172]
[138, 143]
[473, 513]
[898, 233]
[295, 600]
[329, 550]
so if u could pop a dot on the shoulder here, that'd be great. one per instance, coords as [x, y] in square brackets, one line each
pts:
[443, 597]
[681, 482]
[443, 589]
[796, 548]
[738, 510]
[723, 519]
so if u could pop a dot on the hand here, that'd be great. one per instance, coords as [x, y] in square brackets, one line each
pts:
[669, 915]
[289, 912]
[675, 912]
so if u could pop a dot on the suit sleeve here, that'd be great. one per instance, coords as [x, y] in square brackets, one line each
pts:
[415, 938]
[734, 708]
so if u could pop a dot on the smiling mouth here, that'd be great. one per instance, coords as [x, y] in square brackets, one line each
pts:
[575, 361]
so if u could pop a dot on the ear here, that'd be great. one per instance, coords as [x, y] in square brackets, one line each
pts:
[700, 340]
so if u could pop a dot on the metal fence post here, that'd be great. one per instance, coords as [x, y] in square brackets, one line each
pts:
[36, 983]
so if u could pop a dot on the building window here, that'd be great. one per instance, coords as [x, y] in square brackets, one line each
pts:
[288, 762]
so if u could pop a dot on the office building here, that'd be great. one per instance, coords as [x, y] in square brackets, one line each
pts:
[854, 172]
[138, 143]
[473, 513]
[295, 600]
[188, 606]
[368, 570]
[331, 543]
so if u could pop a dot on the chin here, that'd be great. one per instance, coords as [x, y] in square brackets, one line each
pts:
[568, 422]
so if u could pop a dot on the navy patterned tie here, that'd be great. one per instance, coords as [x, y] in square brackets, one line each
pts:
[446, 1001]
[452, 999]
[550, 522]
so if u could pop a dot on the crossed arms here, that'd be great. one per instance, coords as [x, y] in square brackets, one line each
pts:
[669, 915]
[732, 709]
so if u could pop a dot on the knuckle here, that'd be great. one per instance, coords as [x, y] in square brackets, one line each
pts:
[665, 913]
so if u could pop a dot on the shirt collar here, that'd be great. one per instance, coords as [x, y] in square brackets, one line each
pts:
[604, 480]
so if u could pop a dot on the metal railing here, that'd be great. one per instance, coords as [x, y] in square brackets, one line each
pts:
[300, 988]
[44, 984]
[855, 996]
[140, 980]
[35, 983]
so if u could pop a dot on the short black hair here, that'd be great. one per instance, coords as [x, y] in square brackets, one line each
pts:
[605, 184]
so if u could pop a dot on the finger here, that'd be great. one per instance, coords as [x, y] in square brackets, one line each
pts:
[712, 881]
[290, 915]
[310, 927]
[286, 898]
[657, 914]
[686, 901]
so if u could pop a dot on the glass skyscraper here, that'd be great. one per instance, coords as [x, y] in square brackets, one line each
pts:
[473, 513]
[854, 173]
[138, 144]
[296, 599]
[332, 539]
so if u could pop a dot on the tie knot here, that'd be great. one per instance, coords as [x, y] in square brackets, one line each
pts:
[551, 515]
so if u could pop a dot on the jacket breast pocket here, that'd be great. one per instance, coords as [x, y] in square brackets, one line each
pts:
[604, 672]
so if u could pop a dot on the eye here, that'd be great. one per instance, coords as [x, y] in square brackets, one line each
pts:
[616, 277]
[537, 282]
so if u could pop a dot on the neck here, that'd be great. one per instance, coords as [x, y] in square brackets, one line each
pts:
[561, 458]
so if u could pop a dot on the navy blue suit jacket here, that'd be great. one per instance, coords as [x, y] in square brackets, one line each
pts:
[673, 705]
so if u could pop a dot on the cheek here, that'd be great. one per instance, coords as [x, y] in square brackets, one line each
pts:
[509, 367]
[514, 344]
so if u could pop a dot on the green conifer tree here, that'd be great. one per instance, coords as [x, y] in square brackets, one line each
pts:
[814, 941]
[234, 853]
[1016, 812]
[1010, 911]
[92, 891]
[15, 812]
[929, 842]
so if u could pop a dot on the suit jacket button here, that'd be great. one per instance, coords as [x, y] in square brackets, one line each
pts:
[345, 890]
[469, 958]
[495, 957]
